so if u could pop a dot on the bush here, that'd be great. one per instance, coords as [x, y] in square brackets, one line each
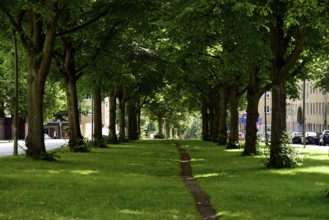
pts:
[50, 156]
[85, 147]
[286, 156]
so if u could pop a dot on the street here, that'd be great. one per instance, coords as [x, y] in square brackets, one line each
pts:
[7, 148]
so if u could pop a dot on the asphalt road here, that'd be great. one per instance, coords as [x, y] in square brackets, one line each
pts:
[7, 148]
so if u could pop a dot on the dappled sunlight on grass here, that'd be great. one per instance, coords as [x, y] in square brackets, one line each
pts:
[315, 169]
[232, 150]
[196, 160]
[54, 171]
[233, 215]
[283, 171]
[84, 172]
[206, 175]
[132, 212]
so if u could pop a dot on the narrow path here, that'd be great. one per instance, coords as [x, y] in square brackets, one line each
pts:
[204, 207]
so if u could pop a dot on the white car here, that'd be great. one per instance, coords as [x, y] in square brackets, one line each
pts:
[46, 136]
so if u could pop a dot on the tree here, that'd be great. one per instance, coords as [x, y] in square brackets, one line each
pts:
[39, 45]
[292, 26]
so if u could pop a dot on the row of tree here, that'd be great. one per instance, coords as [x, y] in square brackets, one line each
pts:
[172, 57]
[243, 49]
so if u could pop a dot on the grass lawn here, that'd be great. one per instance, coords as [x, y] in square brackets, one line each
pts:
[141, 180]
[242, 188]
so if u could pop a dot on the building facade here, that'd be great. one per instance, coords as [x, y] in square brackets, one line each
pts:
[316, 110]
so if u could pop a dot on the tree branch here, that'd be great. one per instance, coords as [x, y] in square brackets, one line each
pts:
[87, 23]
[212, 56]
[298, 49]
[17, 26]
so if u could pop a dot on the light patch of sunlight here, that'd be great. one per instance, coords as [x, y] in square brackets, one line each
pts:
[233, 150]
[133, 212]
[206, 175]
[321, 183]
[195, 160]
[317, 169]
[235, 215]
[53, 171]
[84, 172]
[285, 171]
[174, 213]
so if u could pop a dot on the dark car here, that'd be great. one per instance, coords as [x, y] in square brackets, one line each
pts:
[297, 138]
[324, 138]
[312, 138]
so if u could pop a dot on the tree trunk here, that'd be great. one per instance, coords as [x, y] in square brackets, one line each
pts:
[75, 136]
[222, 139]
[282, 62]
[216, 118]
[138, 116]
[212, 121]
[98, 136]
[234, 128]
[253, 96]
[213, 111]
[160, 125]
[113, 109]
[40, 55]
[122, 121]
[132, 121]
[205, 121]
[168, 127]
[16, 99]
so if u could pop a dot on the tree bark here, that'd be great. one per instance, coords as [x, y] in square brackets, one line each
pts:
[16, 99]
[138, 116]
[160, 125]
[113, 109]
[98, 136]
[216, 117]
[132, 121]
[253, 96]
[205, 121]
[122, 106]
[234, 128]
[75, 136]
[211, 113]
[222, 139]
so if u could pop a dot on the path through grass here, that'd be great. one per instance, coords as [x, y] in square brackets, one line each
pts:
[242, 188]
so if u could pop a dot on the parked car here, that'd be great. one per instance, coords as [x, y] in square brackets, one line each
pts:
[296, 137]
[312, 138]
[324, 138]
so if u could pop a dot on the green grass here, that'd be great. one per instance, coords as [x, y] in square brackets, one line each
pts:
[141, 180]
[242, 188]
